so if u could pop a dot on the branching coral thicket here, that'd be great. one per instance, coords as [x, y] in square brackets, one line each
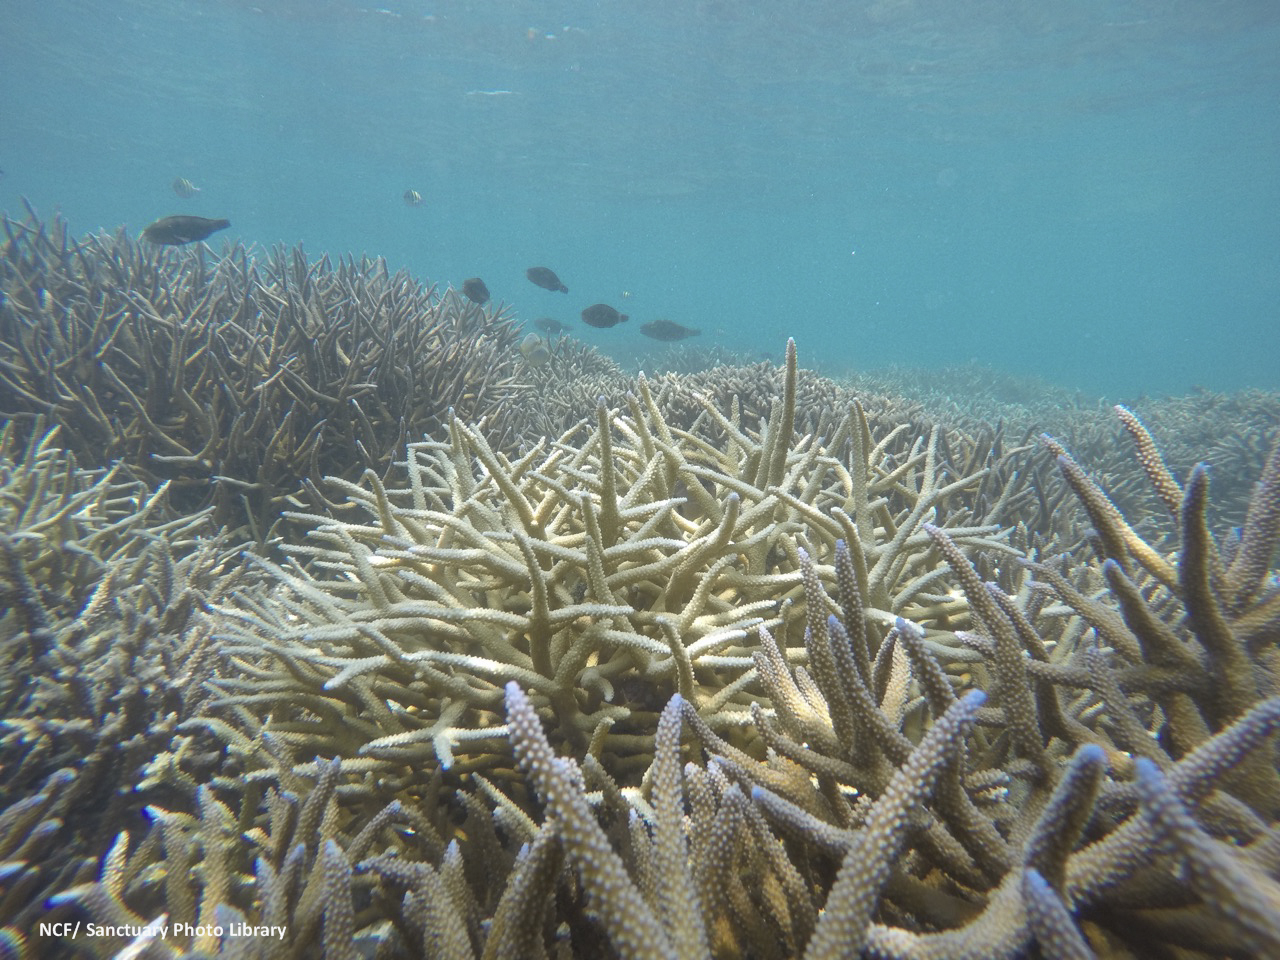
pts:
[602, 576]
[795, 686]
[1195, 631]
[687, 358]
[103, 654]
[561, 391]
[1046, 803]
[237, 377]
[1231, 433]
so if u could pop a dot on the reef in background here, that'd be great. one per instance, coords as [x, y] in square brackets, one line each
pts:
[740, 663]
[238, 377]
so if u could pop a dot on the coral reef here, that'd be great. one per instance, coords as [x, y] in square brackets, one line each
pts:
[740, 664]
[239, 378]
[562, 392]
[686, 358]
[1042, 798]
[103, 655]
[1231, 433]
[602, 575]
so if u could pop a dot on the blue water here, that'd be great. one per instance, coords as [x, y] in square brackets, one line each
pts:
[1085, 192]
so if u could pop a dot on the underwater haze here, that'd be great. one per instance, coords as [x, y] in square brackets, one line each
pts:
[1083, 192]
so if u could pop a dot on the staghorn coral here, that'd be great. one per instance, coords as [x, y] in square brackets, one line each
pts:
[686, 358]
[103, 653]
[1034, 830]
[237, 378]
[283, 889]
[560, 390]
[982, 417]
[718, 881]
[1231, 433]
[910, 742]
[1221, 604]
[578, 374]
[602, 576]
[1000, 830]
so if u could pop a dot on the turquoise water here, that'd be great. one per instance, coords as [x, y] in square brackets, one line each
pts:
[1084, 192]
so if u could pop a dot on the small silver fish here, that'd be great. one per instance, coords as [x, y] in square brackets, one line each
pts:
[184, 188]
[412, 198]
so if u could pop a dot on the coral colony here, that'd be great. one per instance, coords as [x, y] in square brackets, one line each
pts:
[332, 629]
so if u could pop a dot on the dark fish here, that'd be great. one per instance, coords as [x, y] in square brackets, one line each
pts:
[412, 198]
[184, 188]
[667, 330]
[181, 229]
[475, 290]
[546, 278]
[602, 315]
[549, 325]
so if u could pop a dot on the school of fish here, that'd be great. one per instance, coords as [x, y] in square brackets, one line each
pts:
[181, 229]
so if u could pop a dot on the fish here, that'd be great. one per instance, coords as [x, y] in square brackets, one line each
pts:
[602, 315]
[475, 290]
[550, 325]
[412, 198]
[534, 350]
[693, 507]
[175, 231]
[184, 188]
[667, 330]
[546, 278]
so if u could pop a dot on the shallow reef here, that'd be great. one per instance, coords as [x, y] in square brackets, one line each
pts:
[736, 663]
[239, 377]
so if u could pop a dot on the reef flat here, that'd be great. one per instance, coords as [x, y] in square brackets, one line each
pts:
[437, 656]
